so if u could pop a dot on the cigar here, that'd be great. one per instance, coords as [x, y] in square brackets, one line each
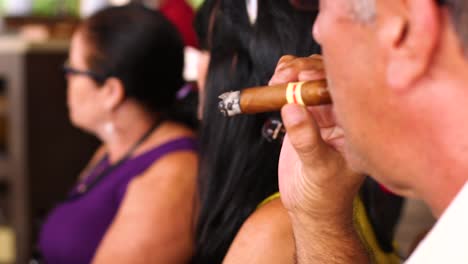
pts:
[272, 98]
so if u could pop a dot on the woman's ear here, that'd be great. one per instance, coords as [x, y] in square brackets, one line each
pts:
[410, 37]
[113, 93]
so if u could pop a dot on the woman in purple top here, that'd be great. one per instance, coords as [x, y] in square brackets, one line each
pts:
[134, 202]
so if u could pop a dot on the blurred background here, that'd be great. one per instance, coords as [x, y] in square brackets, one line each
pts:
[40, 152]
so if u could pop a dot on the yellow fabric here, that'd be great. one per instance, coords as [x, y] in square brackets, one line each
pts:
[269, 199]
[195, 3]
[366, 233]
[364, 229]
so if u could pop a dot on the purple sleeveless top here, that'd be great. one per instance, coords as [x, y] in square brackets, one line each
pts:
[74, 229]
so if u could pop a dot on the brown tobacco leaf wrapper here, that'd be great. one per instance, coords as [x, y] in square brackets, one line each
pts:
[272, 98]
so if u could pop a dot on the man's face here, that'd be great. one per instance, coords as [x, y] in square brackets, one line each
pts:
[354, 62]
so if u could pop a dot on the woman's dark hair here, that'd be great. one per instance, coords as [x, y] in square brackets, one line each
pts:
[238, 168]
[140, 47]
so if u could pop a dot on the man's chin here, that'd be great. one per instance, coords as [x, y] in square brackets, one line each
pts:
[355, 162]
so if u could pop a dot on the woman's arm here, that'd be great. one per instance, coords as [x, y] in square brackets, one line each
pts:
[266, 237]
[155, 221]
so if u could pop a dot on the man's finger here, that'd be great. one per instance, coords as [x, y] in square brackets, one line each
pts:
[290, 69]
[285, 59]
[311, 75]
[304, 134]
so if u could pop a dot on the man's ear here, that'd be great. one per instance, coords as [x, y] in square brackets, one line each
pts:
[113, 93]
[410, 37]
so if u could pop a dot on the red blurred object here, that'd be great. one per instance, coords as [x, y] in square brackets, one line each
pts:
[386, 190]
[181, 15]
[306, 5]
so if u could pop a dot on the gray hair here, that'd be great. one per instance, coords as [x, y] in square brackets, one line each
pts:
[365, 11]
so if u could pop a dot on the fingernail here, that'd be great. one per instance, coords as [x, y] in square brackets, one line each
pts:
[293, 114]
[272, 81]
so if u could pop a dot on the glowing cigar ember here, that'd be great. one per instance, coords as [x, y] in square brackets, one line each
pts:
[272, 98]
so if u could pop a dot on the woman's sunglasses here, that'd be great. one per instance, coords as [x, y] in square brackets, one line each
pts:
[69, 70]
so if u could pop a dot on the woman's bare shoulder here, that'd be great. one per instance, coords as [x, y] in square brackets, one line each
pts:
[265, 237]
[167, 132]
[179, 167]
[163, 194]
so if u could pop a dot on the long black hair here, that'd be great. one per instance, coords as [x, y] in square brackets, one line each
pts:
[238, 166]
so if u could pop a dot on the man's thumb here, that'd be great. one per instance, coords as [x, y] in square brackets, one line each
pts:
[303, 133]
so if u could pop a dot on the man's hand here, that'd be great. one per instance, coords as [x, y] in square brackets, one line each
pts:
[316, 185]
[314, 177]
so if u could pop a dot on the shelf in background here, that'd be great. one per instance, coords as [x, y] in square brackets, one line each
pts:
[3, 167]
